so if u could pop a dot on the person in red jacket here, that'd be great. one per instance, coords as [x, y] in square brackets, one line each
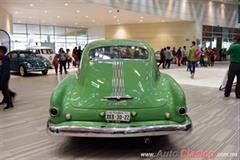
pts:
[56, 63]
[212, 56]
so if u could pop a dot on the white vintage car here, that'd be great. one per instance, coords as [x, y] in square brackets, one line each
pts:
[46, 52]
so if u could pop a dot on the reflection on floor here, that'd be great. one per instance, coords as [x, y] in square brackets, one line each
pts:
[23, 128]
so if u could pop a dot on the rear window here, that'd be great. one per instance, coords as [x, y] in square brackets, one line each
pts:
[118, 52]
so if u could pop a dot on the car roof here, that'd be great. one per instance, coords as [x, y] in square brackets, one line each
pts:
[38, 47]
[20, 51]
[118, 42]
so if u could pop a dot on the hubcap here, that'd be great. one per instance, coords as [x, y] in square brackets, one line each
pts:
[22, 71]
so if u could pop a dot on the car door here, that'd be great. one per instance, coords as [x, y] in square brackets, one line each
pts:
[14, 63]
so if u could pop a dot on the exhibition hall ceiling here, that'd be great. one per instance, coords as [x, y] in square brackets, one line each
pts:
[79, 13]
[87, 13]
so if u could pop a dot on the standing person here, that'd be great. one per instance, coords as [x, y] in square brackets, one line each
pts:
[173, 55]
[63, 60]
[162, 58]
[205, 58]
[69, 57]
[168, 56]
[234, 68]
[79, 54]
[212, 56]
[75, 56]
[56, 63]
[184, 55]
[4, 78]
[179, 56]
[192, 57]
[202, 64]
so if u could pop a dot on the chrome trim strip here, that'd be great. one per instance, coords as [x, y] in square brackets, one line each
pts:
[118, 86]
[114, 78]
[118, 132]
[118, 97]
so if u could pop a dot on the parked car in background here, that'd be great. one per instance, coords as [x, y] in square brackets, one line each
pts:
[118, 92]
[23, 62]
[46, 52]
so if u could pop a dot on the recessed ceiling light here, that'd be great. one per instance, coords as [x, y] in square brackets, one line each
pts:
[45, 11]
[86, 17]
[110, 11]
[58, 17]
[65, 4]
[141, 17]
[78, 11]
[31, 5]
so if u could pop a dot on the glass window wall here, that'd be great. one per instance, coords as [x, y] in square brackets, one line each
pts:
[29, 35]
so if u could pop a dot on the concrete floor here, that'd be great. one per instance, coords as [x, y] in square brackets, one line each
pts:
[215, 123]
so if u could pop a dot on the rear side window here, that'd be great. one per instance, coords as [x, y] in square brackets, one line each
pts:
[44, 51]
[118, 52]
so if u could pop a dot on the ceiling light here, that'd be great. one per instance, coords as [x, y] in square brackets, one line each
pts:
[110, 11]
[118, 20]
[86, 17]
[58, 17]
[78, 11]
[65, 4]
[31, 5]
[141, 20]
[45, 11]
[16, 12]
[141, 17]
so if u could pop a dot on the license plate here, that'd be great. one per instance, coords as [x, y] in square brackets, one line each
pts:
[118, 116]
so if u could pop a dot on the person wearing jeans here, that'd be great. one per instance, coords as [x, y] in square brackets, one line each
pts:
[192, 58]
[234, 68]
[63, 60]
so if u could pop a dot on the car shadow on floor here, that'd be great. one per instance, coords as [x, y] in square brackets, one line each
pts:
[32, 74]
[112, 148]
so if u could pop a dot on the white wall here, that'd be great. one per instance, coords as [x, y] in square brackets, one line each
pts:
[5, 21]
[96, 33]
[158, 35]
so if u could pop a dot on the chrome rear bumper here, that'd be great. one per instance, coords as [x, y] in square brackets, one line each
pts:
[117, 132]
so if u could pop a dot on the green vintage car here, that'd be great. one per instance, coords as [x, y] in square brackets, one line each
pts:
[118, 92]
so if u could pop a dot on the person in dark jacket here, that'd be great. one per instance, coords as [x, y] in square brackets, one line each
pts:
[234, 68]
[4, 78]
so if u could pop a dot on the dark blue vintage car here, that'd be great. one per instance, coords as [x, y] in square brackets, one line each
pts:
[24, 62]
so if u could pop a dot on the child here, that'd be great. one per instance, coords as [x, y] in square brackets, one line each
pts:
[55, 63]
